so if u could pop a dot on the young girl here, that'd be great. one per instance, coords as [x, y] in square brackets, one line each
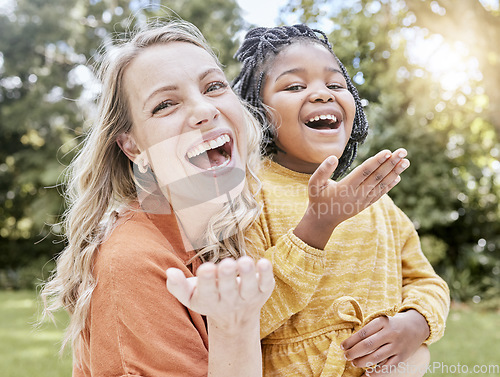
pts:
[367, 297]
[166, 106]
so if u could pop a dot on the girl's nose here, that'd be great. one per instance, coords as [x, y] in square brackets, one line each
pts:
[321, 95]
[202, 113]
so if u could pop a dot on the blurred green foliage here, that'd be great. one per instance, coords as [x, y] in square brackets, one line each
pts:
[443, 114]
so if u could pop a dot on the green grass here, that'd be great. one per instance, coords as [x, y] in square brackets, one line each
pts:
[26, 351]
[472, 338]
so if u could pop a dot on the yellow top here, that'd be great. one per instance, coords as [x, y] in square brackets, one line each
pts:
[372, 265]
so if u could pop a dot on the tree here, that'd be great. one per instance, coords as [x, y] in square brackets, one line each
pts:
[34, 121]
[477, 27]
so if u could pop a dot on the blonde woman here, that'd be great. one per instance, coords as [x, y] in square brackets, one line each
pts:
[159, 185]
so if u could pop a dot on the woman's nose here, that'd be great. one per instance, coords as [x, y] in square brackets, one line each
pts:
[202, 113]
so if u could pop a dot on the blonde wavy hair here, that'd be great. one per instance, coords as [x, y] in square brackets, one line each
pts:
[101, 179]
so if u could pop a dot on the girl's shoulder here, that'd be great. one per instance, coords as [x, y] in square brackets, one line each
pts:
[272, 173]
[388, 210]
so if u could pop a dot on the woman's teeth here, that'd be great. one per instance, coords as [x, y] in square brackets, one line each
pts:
[211, 154]
[208, 145]
[221, 165]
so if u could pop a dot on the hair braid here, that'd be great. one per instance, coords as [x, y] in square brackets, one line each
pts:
[256, 53]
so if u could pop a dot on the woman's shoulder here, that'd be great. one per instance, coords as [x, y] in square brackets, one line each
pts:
[131, 227]
[135, 243]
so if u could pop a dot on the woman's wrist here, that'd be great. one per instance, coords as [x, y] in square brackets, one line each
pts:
[234, 349]
[234, 328]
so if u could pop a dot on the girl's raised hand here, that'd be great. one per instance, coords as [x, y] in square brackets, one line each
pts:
[230, 293]
[331, 203]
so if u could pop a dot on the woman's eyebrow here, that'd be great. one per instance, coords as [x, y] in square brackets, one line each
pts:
[167, 88]
[162, 89]
[209, 71]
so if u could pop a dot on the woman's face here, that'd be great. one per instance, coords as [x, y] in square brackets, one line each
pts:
[187, 122]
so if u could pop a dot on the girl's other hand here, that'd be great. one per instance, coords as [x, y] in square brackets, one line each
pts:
[387, 341]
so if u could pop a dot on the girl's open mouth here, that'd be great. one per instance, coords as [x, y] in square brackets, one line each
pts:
[323, 122]
[211, 154]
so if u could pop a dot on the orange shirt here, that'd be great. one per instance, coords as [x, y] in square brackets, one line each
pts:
[135, 326]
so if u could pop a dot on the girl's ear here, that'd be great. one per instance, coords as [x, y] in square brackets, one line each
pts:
[127, 144]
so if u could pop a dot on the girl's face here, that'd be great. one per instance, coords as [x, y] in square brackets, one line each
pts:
[188, 125]
[310, 103]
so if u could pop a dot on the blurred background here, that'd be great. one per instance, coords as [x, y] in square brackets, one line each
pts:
[428, 73]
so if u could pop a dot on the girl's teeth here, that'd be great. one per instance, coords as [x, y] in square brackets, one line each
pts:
[323, 117]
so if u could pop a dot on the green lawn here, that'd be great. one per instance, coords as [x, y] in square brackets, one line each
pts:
[472, 339]
[24, 350]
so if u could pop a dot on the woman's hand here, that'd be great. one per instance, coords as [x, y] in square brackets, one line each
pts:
[230, 293]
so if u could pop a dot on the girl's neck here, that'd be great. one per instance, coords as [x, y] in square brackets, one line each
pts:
[291, 163]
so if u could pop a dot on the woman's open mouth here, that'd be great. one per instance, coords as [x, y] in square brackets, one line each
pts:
[211, 154]
[323, 122]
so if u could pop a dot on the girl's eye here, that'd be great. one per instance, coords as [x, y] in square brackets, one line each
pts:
[216, 85]
[162, 105]
[295, 87]
[335, 86]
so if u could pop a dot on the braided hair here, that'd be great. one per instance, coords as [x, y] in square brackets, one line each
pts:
[257, 52]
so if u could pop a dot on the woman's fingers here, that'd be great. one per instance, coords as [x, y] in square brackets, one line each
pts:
[227, 271]
[249, 287]
[207, 289]
[180, 287]
[224, 287]
[266, 277]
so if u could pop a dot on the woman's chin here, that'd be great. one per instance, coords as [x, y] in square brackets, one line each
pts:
[229, 195]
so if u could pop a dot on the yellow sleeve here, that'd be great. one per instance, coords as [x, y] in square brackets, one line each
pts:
[297, 269]
[423, 290]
